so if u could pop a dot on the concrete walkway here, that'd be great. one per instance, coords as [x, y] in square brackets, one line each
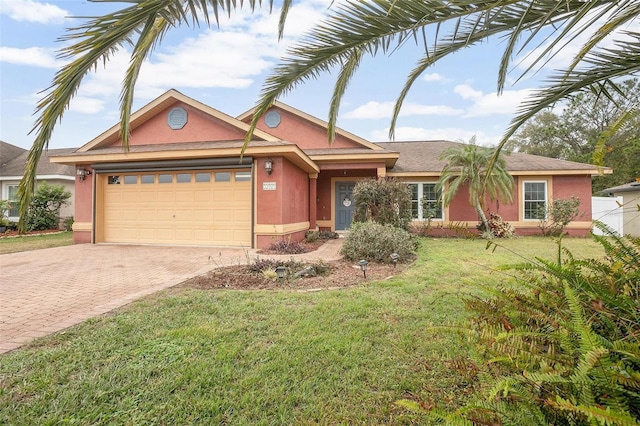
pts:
[44, 291]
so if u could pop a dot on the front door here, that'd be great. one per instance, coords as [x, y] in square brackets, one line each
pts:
[345, 206]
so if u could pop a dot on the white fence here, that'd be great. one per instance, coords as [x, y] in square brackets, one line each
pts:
[607, 210]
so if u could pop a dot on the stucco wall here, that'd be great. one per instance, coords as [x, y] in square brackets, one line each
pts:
[305, 134]
[565, 187]
[200, 127]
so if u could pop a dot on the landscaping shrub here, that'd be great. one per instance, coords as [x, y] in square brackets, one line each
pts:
[563, 346]
[44, 210]
[385, 201]
[376, 242]
[554, 219]
[287, 247]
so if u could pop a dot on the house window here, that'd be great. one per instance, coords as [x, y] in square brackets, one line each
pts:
[426, 201]
[535, 200]
[12, 196]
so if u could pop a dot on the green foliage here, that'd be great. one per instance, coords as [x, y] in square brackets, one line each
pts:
[385, 201]
[44, 210]
[554, 219]
[563, 346]
[469, 165]
[593, 128]
[4, 208]
[68, 223]
[375, 243]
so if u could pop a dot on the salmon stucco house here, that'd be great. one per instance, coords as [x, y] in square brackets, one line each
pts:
[185, 179]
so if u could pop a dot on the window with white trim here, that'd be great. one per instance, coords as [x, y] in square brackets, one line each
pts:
[426, 202]
[535, 200]
[12, 196]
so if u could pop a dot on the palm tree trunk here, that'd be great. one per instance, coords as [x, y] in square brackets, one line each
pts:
[483, 217]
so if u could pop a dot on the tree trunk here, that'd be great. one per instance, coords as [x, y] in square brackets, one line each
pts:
[483, 218]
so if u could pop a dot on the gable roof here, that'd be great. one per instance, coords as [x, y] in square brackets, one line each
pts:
[161, 103]
[8, 152]
[248, 116]
[422, 158]
[15, 168]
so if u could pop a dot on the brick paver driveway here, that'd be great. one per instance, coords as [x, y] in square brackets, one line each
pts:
[43, 291]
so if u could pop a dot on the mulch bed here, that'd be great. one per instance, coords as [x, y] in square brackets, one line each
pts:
[9, 234]
[341, 274]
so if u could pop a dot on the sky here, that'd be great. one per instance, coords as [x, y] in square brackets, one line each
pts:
[224, 67]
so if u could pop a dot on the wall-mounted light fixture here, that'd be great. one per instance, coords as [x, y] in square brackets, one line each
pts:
[83, 173]
[268, 166]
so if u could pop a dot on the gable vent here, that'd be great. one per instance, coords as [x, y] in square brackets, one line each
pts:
[177, 118]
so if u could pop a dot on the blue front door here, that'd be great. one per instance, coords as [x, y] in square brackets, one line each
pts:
[345, 206]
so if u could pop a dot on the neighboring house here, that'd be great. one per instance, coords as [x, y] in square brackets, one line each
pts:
[186, 180]
[630, 194]
[12, 161]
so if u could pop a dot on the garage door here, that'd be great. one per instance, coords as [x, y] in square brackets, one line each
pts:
[184, 207]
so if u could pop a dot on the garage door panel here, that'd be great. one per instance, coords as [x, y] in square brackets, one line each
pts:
[210, 213]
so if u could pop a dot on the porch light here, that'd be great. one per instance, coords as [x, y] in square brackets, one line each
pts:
[280, 270]
[394, 259]
[83, 173]
[268, 166]
[363, 266]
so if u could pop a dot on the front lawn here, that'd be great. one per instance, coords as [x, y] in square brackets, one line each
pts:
[188, 356]
[34, 242]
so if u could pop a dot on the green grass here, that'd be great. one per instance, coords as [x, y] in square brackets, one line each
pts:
[35, 242]
[266, 357]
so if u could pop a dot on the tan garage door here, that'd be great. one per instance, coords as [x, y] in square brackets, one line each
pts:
[185, 207]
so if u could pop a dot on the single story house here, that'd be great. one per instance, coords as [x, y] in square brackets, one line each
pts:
[12, 162]
[186, 179]
[630, 193]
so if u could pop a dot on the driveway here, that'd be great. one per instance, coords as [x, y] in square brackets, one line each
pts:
[44, 291]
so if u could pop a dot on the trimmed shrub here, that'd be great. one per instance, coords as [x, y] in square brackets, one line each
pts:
[44, 210]
[559, 214]
[386, 201]
[375, 243]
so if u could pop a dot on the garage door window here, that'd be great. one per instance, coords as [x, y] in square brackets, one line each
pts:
[203, 177]
[113, 180]
[165, 178]
[243, 176]
[147, 179]
[223, 177]
[183, 178]
[130, 180]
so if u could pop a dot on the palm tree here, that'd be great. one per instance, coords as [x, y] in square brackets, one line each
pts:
[354, 30]
[469, 164]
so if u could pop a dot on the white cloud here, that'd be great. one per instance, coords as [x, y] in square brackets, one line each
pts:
[491, 104]
[456, 134]
[33, 11]
[32, 56]
[86, 105]
[376, 110]
[432, 77]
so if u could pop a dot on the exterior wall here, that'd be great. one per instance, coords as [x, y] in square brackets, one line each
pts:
[304, 133]
[82, 216]
[283, 212]
[631, 214]
[200, 127]
[68, 184]
[461, 215]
